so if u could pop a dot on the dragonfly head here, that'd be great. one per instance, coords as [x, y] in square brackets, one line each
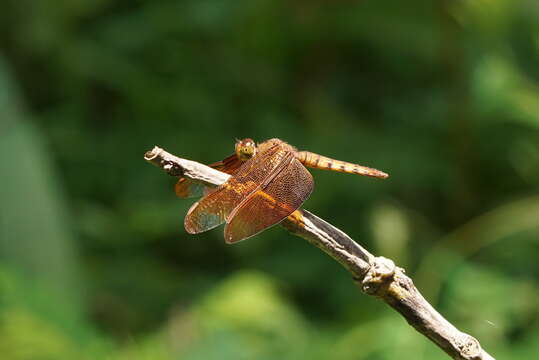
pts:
[245, 149]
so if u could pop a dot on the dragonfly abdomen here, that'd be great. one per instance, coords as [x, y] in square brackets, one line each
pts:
[316, 161]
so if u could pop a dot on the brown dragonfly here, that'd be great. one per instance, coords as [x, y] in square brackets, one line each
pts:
[269, 182]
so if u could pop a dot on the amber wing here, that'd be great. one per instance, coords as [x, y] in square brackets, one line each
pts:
[213, 209]
[270, 203]
[187, 188]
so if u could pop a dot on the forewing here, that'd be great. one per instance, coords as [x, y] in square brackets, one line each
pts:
[187, 188]
[213, 209]
[269, 205]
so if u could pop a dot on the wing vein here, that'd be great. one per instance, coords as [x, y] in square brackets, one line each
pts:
[283, 165]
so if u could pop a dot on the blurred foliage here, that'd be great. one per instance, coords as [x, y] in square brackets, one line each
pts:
[94, 261]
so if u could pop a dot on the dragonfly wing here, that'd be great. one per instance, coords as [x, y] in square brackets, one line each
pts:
[187, 188]
[271, 203]
[213, 209]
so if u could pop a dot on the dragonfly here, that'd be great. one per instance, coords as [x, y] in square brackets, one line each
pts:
[268, 182]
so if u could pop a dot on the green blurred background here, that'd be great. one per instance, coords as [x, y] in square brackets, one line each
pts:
[94, 260]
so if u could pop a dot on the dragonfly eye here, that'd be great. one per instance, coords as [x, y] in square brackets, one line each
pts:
[245, 149]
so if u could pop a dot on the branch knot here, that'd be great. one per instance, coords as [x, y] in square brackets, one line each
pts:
[470, 348]
[379, 276]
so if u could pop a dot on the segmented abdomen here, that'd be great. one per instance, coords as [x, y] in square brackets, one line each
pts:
[316, 161]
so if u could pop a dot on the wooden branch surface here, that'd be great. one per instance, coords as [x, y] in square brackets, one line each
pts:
[376, 276]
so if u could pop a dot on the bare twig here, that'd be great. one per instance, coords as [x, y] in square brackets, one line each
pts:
[376, 276]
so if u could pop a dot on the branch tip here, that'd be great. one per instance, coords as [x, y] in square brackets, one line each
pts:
[152, 154]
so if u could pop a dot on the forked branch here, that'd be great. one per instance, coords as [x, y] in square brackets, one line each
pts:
[376, 276]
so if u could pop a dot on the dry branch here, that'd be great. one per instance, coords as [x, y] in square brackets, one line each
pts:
[376, 276]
